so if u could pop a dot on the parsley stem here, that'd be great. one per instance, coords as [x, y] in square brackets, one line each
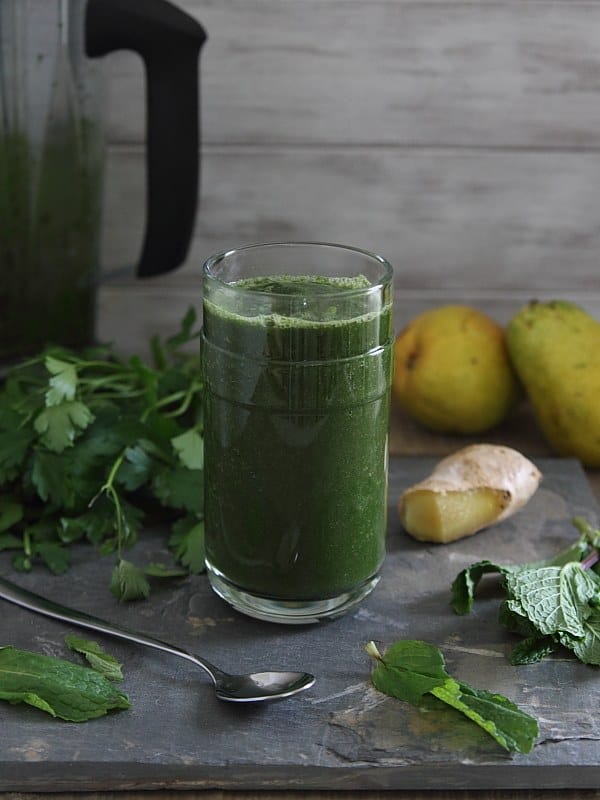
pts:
[115, 468]
[109, 490]
[186, 397]
[107, 365]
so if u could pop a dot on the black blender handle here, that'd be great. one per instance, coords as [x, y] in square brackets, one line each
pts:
[169, 42]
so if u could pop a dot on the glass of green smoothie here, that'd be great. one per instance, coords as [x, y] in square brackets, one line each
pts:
[297, 352]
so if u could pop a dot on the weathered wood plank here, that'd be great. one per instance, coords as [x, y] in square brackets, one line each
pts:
[492, 74]
[448, 220]
[129, 313]
[580, 794]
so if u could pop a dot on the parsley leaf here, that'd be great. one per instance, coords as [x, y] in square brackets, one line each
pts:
[50, 476]
[11, 512]
[187, 543]
[55, 557]
[128, 582]
[179, 487]
[135, 469]
[14, 445]
[190, 449]
[63, 383]
[92, 444]
[58, 425]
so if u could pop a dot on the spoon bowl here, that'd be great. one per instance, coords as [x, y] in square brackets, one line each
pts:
[251, 688]
[261, 686]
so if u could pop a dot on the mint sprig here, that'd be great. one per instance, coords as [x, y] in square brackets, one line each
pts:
[93, 445]
[550, 603]
[410, 669]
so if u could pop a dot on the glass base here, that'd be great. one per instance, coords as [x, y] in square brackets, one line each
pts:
[290, 612]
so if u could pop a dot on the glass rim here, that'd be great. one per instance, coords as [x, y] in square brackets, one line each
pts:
[219, 257]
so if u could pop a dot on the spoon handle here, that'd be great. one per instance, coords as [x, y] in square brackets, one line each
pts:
[41, 605]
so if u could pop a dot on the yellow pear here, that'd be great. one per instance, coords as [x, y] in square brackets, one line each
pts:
[555, 348]
[452, 372]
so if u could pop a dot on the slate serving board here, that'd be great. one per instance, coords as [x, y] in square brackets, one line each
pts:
[341, 734]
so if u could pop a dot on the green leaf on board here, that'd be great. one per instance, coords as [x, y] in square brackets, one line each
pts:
[550, 603]
[410, 669]
[60, 688]
[96, 657]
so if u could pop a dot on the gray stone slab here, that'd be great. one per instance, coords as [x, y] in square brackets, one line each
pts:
[341, 734]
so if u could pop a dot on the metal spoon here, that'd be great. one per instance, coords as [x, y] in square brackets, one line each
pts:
[250, 688]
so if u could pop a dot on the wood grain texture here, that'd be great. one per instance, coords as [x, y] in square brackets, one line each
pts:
[447, 220]
[131, 312]
[459, 139]
[492, 74]
[562, 794]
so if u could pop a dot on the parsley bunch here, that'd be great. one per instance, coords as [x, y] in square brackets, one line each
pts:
[91, 445]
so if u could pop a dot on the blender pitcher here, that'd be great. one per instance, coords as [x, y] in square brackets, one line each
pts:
[52, 156]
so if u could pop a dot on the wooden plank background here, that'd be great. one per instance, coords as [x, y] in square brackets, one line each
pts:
[461, 140]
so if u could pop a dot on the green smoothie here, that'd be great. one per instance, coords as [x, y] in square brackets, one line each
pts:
[296, 427]
[50, 206]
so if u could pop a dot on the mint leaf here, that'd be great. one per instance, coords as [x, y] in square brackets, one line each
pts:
[550, 602]
[187, 543]
[532, 649]
[553, 598]
[128, 582]
[58, 687]
[496, 714]
[466, 582]
[410, 669]
[96, 657]
[586, 647]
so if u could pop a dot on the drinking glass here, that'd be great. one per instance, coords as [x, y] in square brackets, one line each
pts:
[297, 352]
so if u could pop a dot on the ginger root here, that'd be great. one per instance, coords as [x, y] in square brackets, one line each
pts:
[467, 491]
